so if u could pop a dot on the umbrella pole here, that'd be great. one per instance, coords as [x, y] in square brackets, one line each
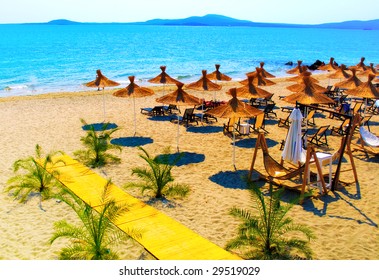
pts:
[234, 147]
[135, 117]
[104, 105]
[177, 137]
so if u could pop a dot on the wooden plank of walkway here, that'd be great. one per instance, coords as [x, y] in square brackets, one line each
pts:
[162, 236]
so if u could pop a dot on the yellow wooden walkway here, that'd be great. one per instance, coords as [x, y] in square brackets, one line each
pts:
[162, 236]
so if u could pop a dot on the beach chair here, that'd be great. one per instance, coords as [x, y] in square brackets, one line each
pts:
[340, 130]
[188, 117]
[344, 108]
[284, 122]
[234, 125]
[204, 117]
[269, 109]
[259, 124]
[155, 111]
[356, 108]
[310, 119]
[368, 142]
[319, 138]
[170, 109]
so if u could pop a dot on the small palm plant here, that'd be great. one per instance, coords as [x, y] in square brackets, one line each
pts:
[97, 146]
[33, 177]
[96, 237]
[268, 234]
[157, 177]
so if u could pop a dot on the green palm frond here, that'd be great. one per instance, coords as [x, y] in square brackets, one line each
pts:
[157, 177]
[97, 145]
[268, 233]
[96, 236]
[31, 177]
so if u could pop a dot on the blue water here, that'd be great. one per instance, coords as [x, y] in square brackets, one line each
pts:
[51, 58]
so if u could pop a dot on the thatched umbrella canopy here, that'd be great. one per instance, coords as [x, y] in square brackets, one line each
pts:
[361, 66]
[263, 71]
[217, 75]
[351, 82]
[306, 81]
[308, 93]
[133, 91]
[204, 84]
[369, 70]
[258, 80]
[365, 90]
[340, 73]
[299, 77]
[179, 98]
[163, 78]
[251, 91]
[297, 69]
[234, 109]
[101, 82]
[331, 66]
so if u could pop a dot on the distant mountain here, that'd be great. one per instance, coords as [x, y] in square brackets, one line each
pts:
[63, 22]
[219, 20]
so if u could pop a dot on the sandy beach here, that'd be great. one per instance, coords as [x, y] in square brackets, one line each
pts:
[345, 221]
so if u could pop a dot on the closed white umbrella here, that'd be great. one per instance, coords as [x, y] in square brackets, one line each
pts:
[293, 149]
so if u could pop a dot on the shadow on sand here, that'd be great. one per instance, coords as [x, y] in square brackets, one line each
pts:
[131, 141]
[99, 126]
[185, 158]
[205, 129]
[251, 142]
[231, 179]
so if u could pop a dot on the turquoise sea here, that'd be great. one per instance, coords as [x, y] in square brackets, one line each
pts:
[39, 58]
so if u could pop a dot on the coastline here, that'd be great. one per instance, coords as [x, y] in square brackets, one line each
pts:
[345, 222]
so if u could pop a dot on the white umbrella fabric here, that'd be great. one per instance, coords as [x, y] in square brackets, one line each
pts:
[293, 149]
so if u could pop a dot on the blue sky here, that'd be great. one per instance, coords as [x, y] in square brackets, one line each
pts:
[282, 11]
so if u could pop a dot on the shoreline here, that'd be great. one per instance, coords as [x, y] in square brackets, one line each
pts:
[345, 222]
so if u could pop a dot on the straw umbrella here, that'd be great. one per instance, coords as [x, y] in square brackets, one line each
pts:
[234, 109]
[251, 91]
[331, 66]
[299, 77]
[263, 71]
[217, 75]
[369, 70]
[133, 90]
[365, 90]
[340, 73]
[163, 78]
[204, 84]
[101, 82]
[361, 66]
[297, 69]
[351, 82]
[179, 98]
[308, 93]
[259, 80]
[305, 80]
